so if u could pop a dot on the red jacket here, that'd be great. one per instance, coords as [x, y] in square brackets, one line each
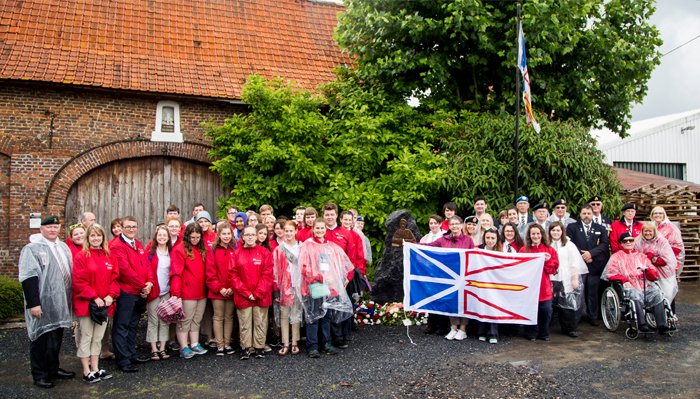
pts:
[74, 249]
[550, 267]
[94, 276]
[134, 268]
[209, 237]
[304, 234]
[359, 260]
[218, 265]
[461, 241]
[620, 226]
[343, 238]
[283, 278]
[273, 244]
[252, 273]
[187, 276]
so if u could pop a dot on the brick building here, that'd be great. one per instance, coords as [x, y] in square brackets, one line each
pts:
[101, 103]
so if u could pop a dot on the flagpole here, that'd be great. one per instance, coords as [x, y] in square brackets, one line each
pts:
[517, 116]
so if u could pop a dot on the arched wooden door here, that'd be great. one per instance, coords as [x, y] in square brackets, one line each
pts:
[143, 188]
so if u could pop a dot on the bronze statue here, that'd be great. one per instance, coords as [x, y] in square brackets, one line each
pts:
[402, 235]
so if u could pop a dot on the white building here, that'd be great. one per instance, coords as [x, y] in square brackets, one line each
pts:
[667, 146]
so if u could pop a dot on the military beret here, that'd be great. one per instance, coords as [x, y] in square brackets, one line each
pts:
[627, 206]
[472, 219]
[624, 236]
[522, 198]
[595, 198]
[360, 218]
[559, 202]
[541, 205]
[49, 220]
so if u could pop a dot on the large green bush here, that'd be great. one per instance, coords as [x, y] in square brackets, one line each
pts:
[11, 298]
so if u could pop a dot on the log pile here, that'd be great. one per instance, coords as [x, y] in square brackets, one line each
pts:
[681, 206]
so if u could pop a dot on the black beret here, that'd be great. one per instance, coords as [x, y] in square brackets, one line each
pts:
[472, 219]
[49, 220]
[541, 205]
[624, 236]
[559, 202]
[595, 198]
[627, 206]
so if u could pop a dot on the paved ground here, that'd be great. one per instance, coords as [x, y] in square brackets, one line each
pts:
[382, 362]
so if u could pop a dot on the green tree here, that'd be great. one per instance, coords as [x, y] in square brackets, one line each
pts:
[562, 161]
[588, 59]
[352, 145]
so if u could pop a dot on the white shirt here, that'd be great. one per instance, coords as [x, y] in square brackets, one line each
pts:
[58, 254]
[131, 243]
[293, 249]
[163, 272]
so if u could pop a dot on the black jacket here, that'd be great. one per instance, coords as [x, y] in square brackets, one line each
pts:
[597, 244]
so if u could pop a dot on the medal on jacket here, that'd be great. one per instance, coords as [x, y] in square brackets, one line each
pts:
[324, 263]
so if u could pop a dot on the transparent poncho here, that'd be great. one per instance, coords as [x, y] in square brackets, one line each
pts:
[324, 271]
[37, 260]
[626, 265]
[287, 278]
[567, 282]
[667, 273]
[672, 234]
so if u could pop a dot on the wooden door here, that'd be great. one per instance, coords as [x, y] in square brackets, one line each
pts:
[143, 188]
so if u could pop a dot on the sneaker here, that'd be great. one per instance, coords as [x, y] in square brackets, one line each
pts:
[347, 338]
[493, 341]
[220, 352]
[245, 354]
[186, 353]
[451, 335]
[314, 354]
[91, 378]
[341, 344]
[482, 339]
[329, 349]
[198, 350]
[267, 349]
[174, 346]
[103, 375]
[260, 354]
[461, 335]
[229, 350]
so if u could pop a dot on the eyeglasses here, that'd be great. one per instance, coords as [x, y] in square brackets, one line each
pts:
[249, 235]
[130, 227]
[596, 204]
[491, 229]
[75, 226]
[230, 213]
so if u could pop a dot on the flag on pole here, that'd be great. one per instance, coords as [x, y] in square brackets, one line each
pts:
[474, 283]
[522, 64]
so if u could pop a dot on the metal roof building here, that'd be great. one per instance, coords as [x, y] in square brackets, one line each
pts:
[667, 146]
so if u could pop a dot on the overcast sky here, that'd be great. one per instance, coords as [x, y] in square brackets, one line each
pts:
[675, 84]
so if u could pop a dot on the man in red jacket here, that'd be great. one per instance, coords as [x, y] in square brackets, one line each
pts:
[343, 238]
[347, 219]
[135, 281]
[626, 224]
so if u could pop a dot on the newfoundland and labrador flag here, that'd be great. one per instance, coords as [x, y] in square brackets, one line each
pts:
[478, 284]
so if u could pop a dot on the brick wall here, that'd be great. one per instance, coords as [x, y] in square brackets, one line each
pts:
[89, 129]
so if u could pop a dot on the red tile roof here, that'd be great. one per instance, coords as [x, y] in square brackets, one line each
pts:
[632, 180]
[191, 47]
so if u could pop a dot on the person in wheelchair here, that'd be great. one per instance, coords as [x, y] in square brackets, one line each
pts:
[631, 268]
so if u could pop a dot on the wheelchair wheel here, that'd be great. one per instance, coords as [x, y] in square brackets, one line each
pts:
[610, 309]
[651, 320]
[631, 333]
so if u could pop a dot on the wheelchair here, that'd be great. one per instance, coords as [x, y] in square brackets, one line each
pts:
[616, 305]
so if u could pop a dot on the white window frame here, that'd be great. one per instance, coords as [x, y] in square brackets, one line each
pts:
[157, 134]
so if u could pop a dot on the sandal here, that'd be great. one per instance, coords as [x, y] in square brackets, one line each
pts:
[155, 356]
[283, 351]
[295, 350]
[110, 356]
[163, 355]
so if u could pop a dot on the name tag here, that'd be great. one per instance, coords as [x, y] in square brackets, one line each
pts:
[324, 263]
[597, 232]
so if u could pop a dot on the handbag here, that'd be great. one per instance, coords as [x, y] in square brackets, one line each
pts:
[319, 290]
[170, 311]
[98, 314]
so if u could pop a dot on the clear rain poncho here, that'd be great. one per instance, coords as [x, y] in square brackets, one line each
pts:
[672, 234]
[625, 265]
[667, 273]
[287, 278]
[37, 260]
[567, 282]
[365, 245]
[324, 271]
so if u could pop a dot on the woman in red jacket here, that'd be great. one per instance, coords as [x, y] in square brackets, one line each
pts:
[219, 259]
[288, 276]
[305, 232]
[252, 275]
[536, 241]
[188, 282]
[159, 254]
[263, 239]
[94, 279]
[76, 233]
[510, 238]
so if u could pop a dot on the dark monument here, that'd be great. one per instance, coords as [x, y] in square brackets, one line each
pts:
[388, 279]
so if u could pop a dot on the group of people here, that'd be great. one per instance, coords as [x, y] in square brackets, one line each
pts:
[276, 278]
[578, 255]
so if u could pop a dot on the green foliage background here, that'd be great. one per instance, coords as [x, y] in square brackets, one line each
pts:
[11, 298]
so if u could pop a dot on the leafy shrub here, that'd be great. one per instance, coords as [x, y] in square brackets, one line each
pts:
[11, 297]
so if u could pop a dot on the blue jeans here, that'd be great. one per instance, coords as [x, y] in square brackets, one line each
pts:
[312, 333]
[126, 320]
[544, 316]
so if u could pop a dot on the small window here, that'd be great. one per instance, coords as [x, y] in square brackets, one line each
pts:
[167, 123]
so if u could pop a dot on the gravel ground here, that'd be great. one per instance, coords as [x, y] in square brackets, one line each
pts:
[382, 362]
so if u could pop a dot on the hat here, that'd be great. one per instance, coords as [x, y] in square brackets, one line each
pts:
[594, 198]
[559, 202]
[522, 198]
[161, 223]
[472, 219]
[300, 208]
[360, 218]
[205, 215]
[49, 220]
[624, 236]
[628, 205]
[541, 205]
